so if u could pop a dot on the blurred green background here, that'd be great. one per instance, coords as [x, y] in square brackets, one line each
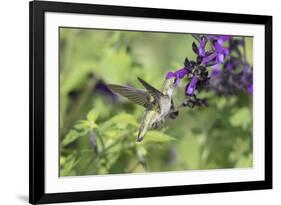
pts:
[98, 129]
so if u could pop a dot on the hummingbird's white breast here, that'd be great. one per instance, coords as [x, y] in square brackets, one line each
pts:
[165, 105]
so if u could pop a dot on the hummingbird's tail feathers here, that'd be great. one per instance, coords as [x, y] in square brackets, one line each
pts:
[137, 96]
[139, 139]
[145, 124]
[141, 133]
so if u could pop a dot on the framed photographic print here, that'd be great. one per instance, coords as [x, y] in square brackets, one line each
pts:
[141, 102]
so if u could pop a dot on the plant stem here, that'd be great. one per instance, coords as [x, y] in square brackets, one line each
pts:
[103, 153]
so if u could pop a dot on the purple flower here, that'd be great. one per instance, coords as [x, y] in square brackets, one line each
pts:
[219, 38]
[202, 45]
[247, 69]
[222, 38]
[220, 51]
[250, 88]
[229, 65]
[200, 51]
[216, 71]
[226, 76]
[214, 56]
[179, 74]
[192, 86]
[209, 58]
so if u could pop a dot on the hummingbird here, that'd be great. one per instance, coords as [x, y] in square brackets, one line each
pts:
[158, 104]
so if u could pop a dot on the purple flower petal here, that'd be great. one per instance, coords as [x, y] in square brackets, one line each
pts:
[208, 58]
[225, 51]
[192, 86]
[229, 66]
[221, 52]
[179, 74]
[182, 72]
[250, 88]
[218, 48]
[222, 39]
[219, 38]
[220, 58]
[247, 69]
[216, 71]
[211, 37]
[202, 45]
[201, 51]
[170, 75]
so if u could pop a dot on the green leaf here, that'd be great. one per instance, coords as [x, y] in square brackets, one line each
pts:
[111, 133]
[245, 161]
[120, 121]
[157, 136]
[94, 125]
[62, 160]
[71, 136]
[82, 125]
[68, 168]
[241, 118]
[93, 115]
[221, 103]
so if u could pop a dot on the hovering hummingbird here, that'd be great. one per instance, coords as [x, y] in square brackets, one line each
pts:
[158, 104]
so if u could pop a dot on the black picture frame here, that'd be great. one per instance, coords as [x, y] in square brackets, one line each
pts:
[37, 192]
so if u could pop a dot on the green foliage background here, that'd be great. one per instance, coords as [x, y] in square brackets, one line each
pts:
[214, 137]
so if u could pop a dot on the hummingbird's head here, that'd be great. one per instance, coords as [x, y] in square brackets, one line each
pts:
[169, 86]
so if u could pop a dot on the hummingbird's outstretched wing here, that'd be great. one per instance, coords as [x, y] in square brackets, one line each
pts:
[137, 96]
[151, 90]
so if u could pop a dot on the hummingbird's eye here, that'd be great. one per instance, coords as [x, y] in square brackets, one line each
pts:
[175, 80]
